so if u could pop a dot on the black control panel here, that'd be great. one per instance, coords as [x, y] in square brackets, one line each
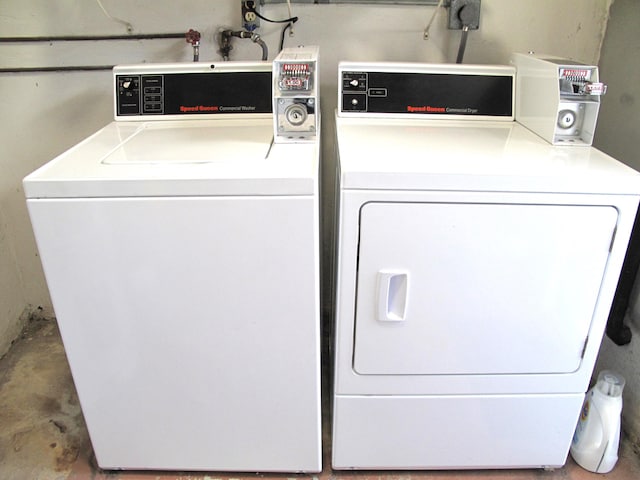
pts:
[427, 93]
[193, 93]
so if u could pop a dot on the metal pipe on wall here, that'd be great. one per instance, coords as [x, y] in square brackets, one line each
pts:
[77, 38]
[84, 38]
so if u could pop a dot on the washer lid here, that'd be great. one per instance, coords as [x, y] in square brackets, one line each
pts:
[414, 154]
[179, 158]
[198, 142]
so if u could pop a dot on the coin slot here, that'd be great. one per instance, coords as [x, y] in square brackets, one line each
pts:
[566, 119]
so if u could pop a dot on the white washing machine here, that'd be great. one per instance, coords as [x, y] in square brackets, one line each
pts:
[180, 246]
[476, 264]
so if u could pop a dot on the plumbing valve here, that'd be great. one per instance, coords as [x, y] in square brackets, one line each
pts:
[193, 37]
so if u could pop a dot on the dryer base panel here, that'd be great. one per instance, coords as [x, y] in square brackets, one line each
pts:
[459, 431]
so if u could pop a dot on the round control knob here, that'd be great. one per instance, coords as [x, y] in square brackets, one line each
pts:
[354, 102]
[566, 119]
[296, 114]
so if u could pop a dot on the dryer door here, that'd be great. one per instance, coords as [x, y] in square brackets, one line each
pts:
[460, 288]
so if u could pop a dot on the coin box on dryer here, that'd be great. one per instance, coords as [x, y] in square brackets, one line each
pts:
[558, 99]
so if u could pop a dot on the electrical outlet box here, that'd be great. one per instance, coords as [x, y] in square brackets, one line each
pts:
[250, 19]
[464, 13]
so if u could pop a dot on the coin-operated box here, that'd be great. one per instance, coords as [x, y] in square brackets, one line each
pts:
[296, 106]
[556, 98]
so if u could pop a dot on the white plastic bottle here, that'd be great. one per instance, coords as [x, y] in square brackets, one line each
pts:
[597, 437]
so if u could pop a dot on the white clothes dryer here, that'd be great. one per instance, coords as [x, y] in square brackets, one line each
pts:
[180, 246]
[476, 265]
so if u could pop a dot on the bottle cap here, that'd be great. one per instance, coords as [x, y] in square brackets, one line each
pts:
[610, 383]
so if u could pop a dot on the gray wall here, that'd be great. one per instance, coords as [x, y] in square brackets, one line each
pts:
[618, 134]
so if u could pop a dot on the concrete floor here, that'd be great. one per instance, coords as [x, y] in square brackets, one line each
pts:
[43, 435]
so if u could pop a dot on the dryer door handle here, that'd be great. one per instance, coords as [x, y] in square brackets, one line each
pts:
[393, 295]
